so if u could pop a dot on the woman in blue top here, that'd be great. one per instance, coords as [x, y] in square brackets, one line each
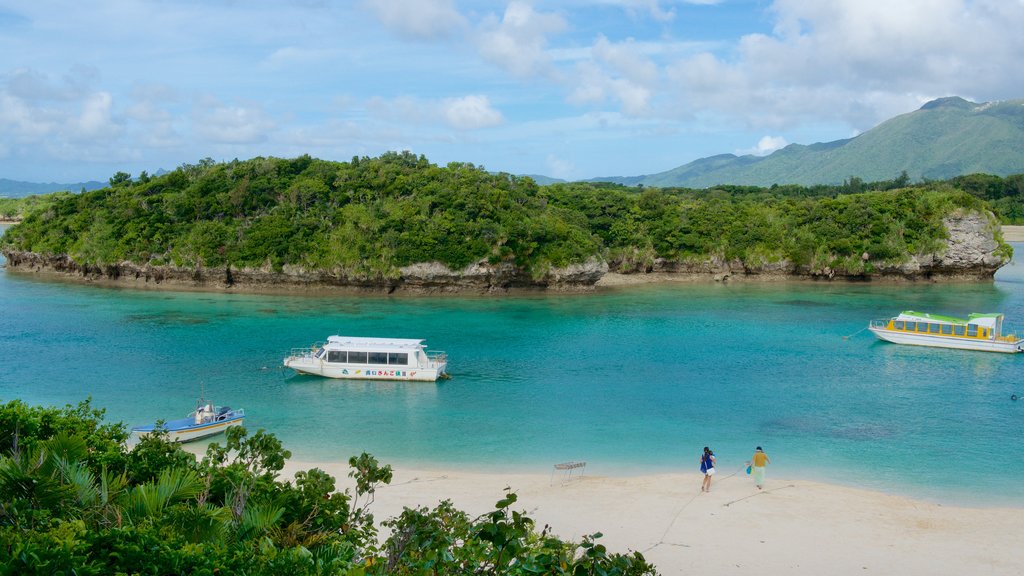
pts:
[707, 467]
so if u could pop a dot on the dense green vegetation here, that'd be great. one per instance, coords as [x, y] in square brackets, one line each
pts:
[367, 218]
[75, 500]
[17, 208]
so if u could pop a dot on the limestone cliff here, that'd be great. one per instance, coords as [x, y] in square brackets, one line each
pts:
[973, 251]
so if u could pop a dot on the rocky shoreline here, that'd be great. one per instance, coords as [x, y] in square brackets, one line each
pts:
[972, 253]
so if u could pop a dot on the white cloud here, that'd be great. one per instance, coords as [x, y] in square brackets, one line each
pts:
[620, 72]
[151, 112]
[560, 167]
[224, 124]
[95, 121]
[857, 60]
[766, 145]
[418, 19]
[471, 113]
[518, 41]
[26, 123]
[34, 109]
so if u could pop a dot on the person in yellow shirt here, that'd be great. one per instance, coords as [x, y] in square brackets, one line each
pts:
[757, 463]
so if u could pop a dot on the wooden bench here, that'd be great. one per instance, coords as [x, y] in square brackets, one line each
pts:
[567, 469]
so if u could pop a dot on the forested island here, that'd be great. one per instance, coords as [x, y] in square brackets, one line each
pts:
[398, 222]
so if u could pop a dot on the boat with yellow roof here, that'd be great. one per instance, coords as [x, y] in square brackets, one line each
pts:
[983, 332]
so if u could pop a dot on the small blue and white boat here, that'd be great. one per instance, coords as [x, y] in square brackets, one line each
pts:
[206, 420]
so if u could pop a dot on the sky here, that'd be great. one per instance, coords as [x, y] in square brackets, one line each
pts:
[571, 89]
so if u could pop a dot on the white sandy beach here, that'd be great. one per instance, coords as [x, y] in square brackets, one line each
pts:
[794, 527]
[1013, 233]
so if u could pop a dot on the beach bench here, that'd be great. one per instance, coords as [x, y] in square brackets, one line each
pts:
[567, 469]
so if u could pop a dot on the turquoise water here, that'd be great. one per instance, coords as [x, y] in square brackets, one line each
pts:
[630, 380]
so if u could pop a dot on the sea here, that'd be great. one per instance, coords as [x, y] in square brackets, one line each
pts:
[631, 380]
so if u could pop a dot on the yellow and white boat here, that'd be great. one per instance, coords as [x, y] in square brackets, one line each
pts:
[977, 332]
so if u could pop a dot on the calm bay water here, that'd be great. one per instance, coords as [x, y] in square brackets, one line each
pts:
[630, 380]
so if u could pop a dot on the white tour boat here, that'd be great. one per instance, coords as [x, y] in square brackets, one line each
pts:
[206, 420]
[976, 332]
[369, 358]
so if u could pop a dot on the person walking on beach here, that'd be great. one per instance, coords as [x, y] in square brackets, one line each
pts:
[707, 468]
[757, 463]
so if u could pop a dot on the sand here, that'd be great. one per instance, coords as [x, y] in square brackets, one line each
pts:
[793, 527]
[1013, 233]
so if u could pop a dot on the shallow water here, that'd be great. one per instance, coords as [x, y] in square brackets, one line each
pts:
[630, 380]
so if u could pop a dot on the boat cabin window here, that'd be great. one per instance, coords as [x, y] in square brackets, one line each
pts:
[350, 357]
[947, 329]
[899, 325]
[958, 330]
[911, 326]
[933, 328]
[320, 354]
[972, 330]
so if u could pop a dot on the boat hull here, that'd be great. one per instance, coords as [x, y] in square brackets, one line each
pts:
[315, 367]
[187, 430]
[940, 341]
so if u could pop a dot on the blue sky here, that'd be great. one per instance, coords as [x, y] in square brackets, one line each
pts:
[572, 88]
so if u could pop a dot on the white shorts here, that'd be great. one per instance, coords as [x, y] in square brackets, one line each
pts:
[710, 472]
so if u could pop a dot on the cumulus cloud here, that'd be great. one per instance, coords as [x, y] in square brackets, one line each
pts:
[35, 108]
[766, 145]
[95, 120]
[858, 60]
[617, 71]
[151, 110]
[471, 113]
[221, 123]
[418, 19]
[517, 42]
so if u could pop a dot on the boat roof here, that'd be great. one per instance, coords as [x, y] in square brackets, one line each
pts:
[987, 319]
[375, 343]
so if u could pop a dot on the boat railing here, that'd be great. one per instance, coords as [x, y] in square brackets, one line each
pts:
[306, 352]
[1011, 333]
[437, 357]
[881, 323]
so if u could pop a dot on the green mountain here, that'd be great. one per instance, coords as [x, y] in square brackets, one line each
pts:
[945, 138]
[18, 189]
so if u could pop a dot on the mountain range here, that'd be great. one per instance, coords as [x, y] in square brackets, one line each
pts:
[944, 138]
[19, 189]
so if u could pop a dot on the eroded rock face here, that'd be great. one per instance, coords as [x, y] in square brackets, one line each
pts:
[423, 277]
[970, 253]
[971, 248]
